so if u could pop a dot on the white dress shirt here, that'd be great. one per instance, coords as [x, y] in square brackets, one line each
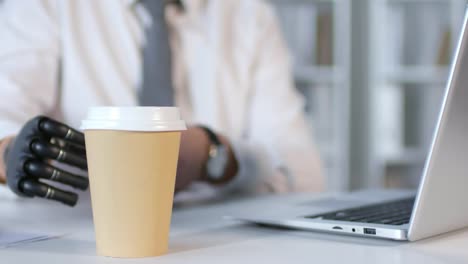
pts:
[231, 72]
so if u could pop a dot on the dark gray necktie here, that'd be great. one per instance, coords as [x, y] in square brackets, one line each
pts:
[156, 87]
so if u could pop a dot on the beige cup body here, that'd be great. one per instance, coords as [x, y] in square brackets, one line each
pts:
[132, 178]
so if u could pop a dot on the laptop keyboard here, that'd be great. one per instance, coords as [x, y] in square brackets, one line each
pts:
[389, 213]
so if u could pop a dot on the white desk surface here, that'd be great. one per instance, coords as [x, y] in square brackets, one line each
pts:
[200, 235]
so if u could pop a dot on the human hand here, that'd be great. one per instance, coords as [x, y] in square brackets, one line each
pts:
[193, 155]
[28, 157]
[4, 142]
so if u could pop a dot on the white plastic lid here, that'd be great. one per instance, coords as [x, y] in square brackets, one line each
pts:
[133, 119]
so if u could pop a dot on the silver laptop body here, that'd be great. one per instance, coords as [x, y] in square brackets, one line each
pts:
[441, 202]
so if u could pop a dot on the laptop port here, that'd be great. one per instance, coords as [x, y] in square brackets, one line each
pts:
[337, 228]
[369, 231]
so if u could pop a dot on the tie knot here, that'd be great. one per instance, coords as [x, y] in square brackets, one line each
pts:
[157, 7]
[154, 7]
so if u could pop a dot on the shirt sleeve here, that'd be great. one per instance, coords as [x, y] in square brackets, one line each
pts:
[29, 49]
[278, 154]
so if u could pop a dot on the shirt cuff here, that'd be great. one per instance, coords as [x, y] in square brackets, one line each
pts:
[255, 165]
[255, 169]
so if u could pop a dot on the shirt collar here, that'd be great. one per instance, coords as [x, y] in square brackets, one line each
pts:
[190, 17]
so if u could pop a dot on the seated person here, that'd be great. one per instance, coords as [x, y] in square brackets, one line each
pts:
[223, 63]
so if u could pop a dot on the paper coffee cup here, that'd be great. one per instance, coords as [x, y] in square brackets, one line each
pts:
[132, 155]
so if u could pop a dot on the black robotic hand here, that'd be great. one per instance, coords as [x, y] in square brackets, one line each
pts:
[28, 160]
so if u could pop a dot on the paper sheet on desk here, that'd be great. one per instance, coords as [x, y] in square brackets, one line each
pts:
[10, 238]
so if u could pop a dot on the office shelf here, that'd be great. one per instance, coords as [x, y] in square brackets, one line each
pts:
[417, 74]
[319, 74]
[411, 45]
[408, 156]
[408, 43]
[442, 2]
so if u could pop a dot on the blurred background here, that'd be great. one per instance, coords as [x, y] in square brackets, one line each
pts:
[373, 73]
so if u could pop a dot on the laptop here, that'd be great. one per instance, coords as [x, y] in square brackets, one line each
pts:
[440, 204]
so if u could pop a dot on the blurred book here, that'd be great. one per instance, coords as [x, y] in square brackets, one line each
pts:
[444, 54]
[324, 47]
